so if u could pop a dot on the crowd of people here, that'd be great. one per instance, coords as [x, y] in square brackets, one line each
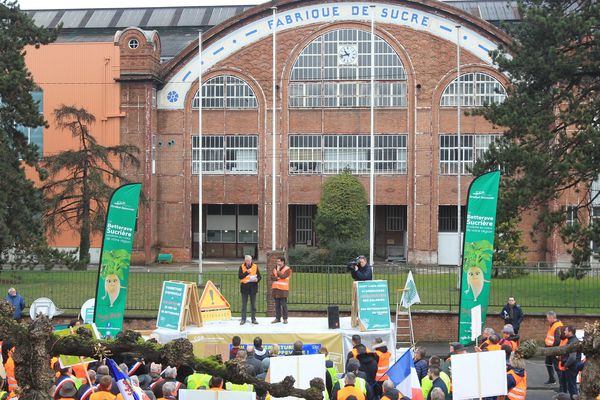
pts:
[364, 377]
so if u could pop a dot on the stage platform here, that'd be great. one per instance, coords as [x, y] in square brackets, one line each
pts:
[215, 336]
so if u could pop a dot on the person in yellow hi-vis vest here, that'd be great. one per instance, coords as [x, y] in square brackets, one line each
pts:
[281, 287]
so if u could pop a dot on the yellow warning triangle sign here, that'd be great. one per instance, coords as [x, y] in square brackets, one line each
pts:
[212, 299]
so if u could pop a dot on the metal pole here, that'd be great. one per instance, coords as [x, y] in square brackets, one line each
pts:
[372, 143]
[200, 158]
[274, 148]
[458, 138]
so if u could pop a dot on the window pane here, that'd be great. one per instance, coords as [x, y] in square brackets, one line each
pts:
[320, 61]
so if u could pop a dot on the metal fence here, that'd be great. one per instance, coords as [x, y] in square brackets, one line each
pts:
[313, 288]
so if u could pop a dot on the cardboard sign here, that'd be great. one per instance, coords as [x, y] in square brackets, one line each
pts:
[186, 394]
[178, 305]
[476, 322]
[371, 305]
[68, 360]
[478, 375]
[302, 368]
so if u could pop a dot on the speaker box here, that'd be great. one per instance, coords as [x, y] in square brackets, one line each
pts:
[333, 317]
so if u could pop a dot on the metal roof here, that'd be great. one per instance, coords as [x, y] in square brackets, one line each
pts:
[177, 26]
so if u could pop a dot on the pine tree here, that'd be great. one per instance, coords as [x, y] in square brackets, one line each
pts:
[21, 203]
[82, 180]
[551, 145]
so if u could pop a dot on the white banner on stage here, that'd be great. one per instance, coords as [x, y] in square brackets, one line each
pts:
[185, 394]
[302, 368]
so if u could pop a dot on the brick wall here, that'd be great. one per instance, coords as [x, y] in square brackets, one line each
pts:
[428, 326]
[421, 189]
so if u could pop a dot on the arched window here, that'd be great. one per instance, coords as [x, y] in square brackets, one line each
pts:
[476, 90]
[334, 70]
[226, 91]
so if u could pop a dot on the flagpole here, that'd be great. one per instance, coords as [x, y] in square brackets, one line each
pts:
[200, 158]
[458, 138]
[274, 144]
[372, 149]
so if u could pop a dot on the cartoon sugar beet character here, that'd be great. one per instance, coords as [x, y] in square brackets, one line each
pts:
[477, 255]
[114, 264]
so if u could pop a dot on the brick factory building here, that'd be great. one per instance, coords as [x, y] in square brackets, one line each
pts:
[150, 88]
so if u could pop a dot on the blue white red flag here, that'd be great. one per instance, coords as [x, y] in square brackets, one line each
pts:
[404, 375]
[123, 382]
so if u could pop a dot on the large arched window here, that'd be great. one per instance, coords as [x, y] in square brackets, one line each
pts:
[476, 90]
[226, 91]
[334, 70]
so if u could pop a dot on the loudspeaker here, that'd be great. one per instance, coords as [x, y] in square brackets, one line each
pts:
[333, 317]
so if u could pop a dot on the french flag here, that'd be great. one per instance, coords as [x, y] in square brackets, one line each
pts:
[404, 375]
[122, 380]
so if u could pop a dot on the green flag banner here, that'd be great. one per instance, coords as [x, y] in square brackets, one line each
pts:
[115, 259]
[478, 249]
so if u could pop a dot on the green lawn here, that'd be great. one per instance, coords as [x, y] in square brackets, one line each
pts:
[536, 292]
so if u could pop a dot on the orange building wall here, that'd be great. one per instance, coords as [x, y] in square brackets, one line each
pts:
[81, 75]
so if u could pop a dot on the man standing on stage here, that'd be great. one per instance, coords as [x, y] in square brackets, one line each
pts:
[281, 287]
[249, 276]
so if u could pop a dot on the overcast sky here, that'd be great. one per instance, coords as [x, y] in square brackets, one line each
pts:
[59, 4]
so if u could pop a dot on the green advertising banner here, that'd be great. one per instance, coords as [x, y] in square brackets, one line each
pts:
[373, 304]
[170, 310]
[478, 249]
[115, 259]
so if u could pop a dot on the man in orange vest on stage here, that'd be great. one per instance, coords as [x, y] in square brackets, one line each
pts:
[249, 276]
[552, 340]
[281, 287]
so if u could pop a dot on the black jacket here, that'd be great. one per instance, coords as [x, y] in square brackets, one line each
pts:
[250, 287]
[368, 364]
[570, 361]
[363, 274]
[438, 383]
[513, 317]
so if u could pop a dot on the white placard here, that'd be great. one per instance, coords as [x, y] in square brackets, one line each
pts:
[475, 322]
[478, 375]
[186, 394]
[302, 368]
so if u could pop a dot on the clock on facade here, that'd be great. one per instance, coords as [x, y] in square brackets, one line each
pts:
[347, 54]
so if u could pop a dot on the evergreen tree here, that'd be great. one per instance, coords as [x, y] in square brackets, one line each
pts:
[551, 145]
[342, 214]
[82, 180]
[21, 203]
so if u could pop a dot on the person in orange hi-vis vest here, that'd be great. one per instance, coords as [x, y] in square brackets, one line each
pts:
[249, 276]
[349, 389]
[281, 287]
[216, 383]
[553, 337]
[9, 367]
[383, 362]
[516, 378]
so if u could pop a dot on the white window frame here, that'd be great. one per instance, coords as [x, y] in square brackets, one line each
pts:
[477, 89]
[319, 80]
[226, 154]
[331, 154]
[226, 91]
[473, 148]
